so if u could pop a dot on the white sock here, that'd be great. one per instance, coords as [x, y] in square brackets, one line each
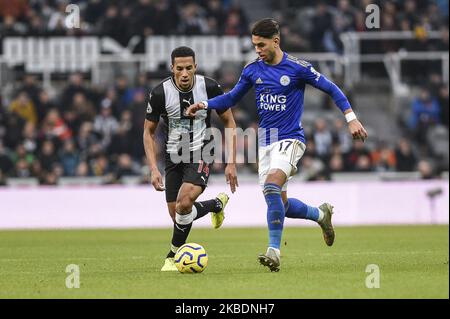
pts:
[321, 214]
[194, 212]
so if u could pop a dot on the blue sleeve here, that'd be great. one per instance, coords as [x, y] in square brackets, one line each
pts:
[227, 100]
[319, 81]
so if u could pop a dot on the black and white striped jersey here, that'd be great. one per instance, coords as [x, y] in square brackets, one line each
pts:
[167, 101]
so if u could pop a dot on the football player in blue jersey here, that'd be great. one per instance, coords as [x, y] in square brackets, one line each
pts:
[280, 81]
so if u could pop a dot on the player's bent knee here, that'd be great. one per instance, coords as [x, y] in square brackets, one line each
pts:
[276, 176]
[184, 204]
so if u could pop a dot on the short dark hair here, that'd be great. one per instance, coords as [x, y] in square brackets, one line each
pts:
[182, 52]
[266, 28]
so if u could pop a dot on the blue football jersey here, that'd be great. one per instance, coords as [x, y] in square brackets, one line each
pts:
[279, 95]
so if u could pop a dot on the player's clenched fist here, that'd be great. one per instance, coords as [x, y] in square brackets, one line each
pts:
[357, 130]
[192, 109]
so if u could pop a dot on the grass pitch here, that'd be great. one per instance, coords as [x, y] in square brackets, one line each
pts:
[413, 263]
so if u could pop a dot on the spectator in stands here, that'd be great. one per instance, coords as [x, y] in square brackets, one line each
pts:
[347, 12]
[363, 164]
[69, 158]
[192, 20]
[14, 126]
[323, 139]
[11, 28]
[24, 108]
[425, 112]
[336, 163]
[410, 12]
[56, 23]
[114, 26]
[29, 135]
[293, 41]
[2, 179]
[426, 169]
[124, 167]
[21, 154]
[48, 156]
[83, 108]
[311, 167]
[54, 126]
[233, 25]
[165, 17]
[31, 87]
[36, 169]
[87, 141]
[120, 143]
[6, 164]
[49, 179]
[100, 165]
[22, 169]
[83, 169]
[124, 94]
[360, 22]
[352, 161]
[94, 11]
[341, 136]
[383, 158]
[3, 118]
[44, 104]
[18, 9]
[106, 125]
[406, 160]
[76, 85]
[216, 16]
[444, 103]
[137, 109]
[322, 22]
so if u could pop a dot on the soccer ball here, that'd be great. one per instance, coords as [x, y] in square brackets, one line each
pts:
[191, 258]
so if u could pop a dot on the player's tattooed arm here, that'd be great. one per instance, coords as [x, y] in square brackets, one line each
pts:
[150, 152]
[355, 127]
[231, 140]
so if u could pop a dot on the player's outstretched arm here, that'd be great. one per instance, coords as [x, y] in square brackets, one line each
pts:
[319, 81]
[230, 139]
[224, 101]
[355, 127]
[150, 152]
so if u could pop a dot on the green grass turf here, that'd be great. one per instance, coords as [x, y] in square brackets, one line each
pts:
[413, 262]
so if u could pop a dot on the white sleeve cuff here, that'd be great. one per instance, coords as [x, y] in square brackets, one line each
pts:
[205, 103]
[350, 117]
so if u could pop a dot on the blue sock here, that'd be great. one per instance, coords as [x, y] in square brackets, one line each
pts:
[275, 213]
[297, 209]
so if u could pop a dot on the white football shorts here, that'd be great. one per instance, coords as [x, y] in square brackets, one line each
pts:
[282, 155]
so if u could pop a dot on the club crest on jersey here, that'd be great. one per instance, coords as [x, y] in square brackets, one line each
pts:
[285, 80]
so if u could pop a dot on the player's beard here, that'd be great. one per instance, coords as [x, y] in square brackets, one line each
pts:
[270, 57]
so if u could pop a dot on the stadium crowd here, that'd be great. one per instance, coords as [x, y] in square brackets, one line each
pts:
[316, 25]
[123, 19]
[306, 25]
[91, 131]
[87, 130]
